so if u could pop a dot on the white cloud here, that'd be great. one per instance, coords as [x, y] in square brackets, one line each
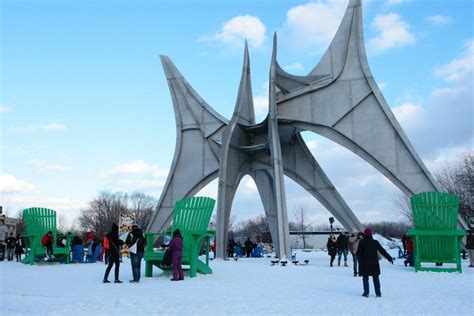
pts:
[4, 109]
[396, 2]
[234, 32]
[296, 66]
[393, 32]
[460, 69]
[135, 175]
[446, 121]
[10, 184]
[260, 104]
[408, 114]
[439, 20]
[30, 129]
[60, 204]
[135, 168]
[382, 85]
[248, 186]
[12, 150]
[312, 145]
[312, 25]
[44, 166]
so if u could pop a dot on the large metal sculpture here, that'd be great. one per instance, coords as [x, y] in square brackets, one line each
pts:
[338, 99]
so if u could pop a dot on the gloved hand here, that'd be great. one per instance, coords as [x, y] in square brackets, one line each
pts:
[391, 260]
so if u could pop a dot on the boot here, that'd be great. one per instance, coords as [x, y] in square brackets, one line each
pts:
[105, 281]
[117, 281]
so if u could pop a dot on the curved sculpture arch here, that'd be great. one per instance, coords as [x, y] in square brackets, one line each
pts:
[338, 99]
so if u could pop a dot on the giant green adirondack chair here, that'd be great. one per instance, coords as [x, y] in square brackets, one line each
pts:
[436, 237]
[38, 222]
[191, 216]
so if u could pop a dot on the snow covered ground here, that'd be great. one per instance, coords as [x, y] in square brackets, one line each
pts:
[247, 286]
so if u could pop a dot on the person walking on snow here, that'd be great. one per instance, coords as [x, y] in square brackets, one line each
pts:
[369, 261]
[176, 248]
[113, 253]
[342, 247]
[332, 248]
[136, 246]
[353, 244]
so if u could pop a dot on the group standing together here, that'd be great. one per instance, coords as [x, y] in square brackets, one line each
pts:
[136, 242]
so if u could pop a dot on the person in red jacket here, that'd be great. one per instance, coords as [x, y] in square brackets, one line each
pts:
[47, 242]
[409, 249]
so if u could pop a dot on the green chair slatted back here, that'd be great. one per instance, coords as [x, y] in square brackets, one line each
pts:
[192, 216]
[435, 210]
[435, 216]
[39, 221]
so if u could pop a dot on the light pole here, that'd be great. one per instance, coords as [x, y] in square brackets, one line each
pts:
[331, 220]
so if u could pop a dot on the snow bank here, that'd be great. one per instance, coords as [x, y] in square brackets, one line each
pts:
[246, 286]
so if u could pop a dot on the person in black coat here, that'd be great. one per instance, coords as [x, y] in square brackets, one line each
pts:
[114, 254]
[10, 246]
[19, 245]
[342, 248]
[136, 246]
[230, 248]
[332, 248]
[248, 247]
[369, 261]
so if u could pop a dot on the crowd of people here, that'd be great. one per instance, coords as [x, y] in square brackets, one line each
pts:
[363, 248]
[246, 249]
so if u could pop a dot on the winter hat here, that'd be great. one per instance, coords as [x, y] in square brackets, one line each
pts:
[355, 231]
[176, 233]
[368, 232]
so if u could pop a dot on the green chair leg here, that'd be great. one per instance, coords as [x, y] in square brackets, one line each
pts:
[148, 269]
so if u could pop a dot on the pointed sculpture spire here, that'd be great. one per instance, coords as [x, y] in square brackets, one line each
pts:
[244, 108]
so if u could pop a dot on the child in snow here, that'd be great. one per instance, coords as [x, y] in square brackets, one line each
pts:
[409, 252]
[47, 242]
[176, 247]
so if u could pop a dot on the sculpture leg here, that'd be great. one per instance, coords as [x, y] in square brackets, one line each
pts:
[264, 182]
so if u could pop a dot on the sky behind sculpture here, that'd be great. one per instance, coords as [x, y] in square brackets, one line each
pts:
[82, 93]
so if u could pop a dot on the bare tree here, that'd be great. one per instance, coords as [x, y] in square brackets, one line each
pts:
[106, 208]
[253, 228]
[301, 216]
[62, 225]
[401, 202]
[459, 179]
[142, 206]
[102, 211]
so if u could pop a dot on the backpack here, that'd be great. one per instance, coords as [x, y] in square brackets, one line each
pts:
[106, 242]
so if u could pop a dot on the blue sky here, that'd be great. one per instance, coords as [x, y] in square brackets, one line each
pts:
[85, 106]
